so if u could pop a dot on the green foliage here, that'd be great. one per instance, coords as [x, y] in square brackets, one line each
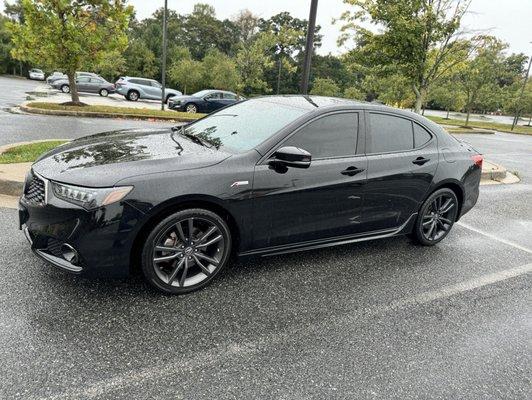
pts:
[354, 93]
[325, 87]
[140, 60]
[7, 63]
[65, 35]
[219, 71]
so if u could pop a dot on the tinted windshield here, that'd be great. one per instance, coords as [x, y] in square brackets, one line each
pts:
[245, 125]
[202, 93]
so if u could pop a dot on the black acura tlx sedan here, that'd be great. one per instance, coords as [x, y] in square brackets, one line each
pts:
[266, 176]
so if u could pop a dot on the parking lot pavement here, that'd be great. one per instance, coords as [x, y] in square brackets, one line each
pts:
[383, 319]
[22, 127]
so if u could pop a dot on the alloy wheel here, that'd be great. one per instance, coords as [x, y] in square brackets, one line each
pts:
[188, 252]
[192, 109]
[439, 217]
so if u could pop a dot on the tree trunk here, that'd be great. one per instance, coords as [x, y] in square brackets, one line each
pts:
[529, 121]
[420, 98]
[467, 117]
[279, 75]
[73, 87]
[448, 113]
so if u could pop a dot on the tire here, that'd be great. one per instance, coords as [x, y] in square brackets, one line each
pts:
[175, 269]
[167, 99]
[133, 95]
[104, 92]
[65, 89]
[191, 108]
[436, 217]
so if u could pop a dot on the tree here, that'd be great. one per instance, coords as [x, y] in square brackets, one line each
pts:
[448, 96]
[252, 60]
[70, 35]
[187, 74]
[7, 64]
[325, 87]
[418, 38]
[354, 93]
[247, 24]
[481, 72]
[220, 71]
[140, 60]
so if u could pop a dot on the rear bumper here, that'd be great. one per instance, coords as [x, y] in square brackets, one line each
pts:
[102, 238]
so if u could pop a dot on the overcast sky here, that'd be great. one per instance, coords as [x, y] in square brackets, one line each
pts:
[509, 20]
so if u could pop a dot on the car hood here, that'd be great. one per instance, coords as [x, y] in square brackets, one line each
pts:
[104, 159]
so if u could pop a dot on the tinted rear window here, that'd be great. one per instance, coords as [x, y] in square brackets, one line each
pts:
[390, 133]
[421, 136]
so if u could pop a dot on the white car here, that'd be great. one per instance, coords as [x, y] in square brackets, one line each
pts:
[36, 74]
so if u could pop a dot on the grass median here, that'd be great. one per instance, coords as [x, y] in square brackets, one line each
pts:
[119, 112]
[493, 126]
[28, 152]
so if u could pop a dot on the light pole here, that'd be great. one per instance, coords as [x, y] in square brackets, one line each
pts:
[163, 78]
[518, 112]
[309, 49]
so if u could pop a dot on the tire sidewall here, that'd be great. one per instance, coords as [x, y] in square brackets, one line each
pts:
[131, 93]
[104, 93]
[418, 229]
[65, 89]
[147, 251]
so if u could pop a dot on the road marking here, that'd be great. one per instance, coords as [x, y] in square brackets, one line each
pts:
[494, 237]
[248, 349]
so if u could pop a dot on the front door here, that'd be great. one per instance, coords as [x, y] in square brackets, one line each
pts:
[323, 201]
[402, 161]
[83, 83]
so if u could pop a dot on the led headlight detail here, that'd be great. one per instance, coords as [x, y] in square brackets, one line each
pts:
[90, 197]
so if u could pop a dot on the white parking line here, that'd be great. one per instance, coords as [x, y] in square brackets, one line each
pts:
[246, 350]
[495, 237]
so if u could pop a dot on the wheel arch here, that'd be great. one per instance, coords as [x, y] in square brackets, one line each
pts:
[458, 189]
[172, 206]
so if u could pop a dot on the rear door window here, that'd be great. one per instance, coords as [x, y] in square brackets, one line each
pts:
[421, 136]
[390, 134]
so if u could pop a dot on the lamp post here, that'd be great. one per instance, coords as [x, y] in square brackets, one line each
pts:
[309, 49]
[519, 108]
[165, 45]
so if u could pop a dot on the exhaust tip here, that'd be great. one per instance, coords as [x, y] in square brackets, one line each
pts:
[70, 254]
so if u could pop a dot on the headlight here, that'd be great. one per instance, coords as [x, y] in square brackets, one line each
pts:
[90, 197]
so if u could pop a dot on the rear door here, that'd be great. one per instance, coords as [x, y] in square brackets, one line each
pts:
[213, 101]
[83, 83]
[324, 201]
[402, 161]
[95, 85]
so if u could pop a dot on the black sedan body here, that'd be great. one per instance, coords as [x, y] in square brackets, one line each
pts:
[206, 101]
[266, 176]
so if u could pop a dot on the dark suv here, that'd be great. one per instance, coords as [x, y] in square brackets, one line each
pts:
[266, 176]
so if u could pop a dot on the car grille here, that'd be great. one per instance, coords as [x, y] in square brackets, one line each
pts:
[35, 190]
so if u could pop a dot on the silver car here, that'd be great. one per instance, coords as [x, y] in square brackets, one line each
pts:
[87, 84]
[134, 89]
[36, 74]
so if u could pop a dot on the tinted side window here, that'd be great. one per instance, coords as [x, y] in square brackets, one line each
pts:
[84, 79]
[229, 96]
[421, 136]
[389, 133]
[330, 136]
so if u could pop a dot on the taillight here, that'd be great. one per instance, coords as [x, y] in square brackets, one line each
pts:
[478, 160]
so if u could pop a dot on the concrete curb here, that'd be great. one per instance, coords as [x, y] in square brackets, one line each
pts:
[90, 114]
[494, 172]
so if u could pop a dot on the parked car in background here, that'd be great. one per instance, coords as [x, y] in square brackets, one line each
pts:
[205, 101]
[87, 84]
[134, 89]
[59, 75]
[36, 74]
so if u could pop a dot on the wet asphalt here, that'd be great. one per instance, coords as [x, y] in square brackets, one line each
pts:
[376, 320]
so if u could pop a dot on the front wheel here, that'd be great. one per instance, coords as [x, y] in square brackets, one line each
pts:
[186, 250]
[436, 217]
[104, 93]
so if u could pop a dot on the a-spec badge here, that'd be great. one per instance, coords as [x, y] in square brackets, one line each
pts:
[240, 183]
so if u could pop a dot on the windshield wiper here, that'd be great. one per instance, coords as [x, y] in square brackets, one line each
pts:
[182, 131]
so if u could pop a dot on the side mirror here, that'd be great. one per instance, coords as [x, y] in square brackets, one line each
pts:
[293, 157]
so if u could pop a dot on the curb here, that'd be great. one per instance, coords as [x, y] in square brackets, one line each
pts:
[11, 188]
[91, 114]
[493, 172]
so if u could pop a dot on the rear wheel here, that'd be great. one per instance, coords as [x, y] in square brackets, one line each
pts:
[436, 217]
[133, 95]
[104, 93]
[65, 89]
[185, 251]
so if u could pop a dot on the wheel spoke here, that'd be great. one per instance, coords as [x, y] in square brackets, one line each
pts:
[447, 221]
[203, 267]
[166, 258]
[447, 208]
[167, 249]
[427, 223]
[212, 241]
[431, 230]
[190, 229]
[180, 232]
[184, 275]
[176, 270]
[207, 258]
[207, 234]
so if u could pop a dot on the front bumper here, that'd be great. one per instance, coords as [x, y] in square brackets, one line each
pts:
[102, 237]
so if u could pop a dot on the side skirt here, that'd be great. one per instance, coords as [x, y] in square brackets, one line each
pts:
[330, 242]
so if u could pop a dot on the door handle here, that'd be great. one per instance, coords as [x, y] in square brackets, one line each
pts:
[352, 171]
[421, 161]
